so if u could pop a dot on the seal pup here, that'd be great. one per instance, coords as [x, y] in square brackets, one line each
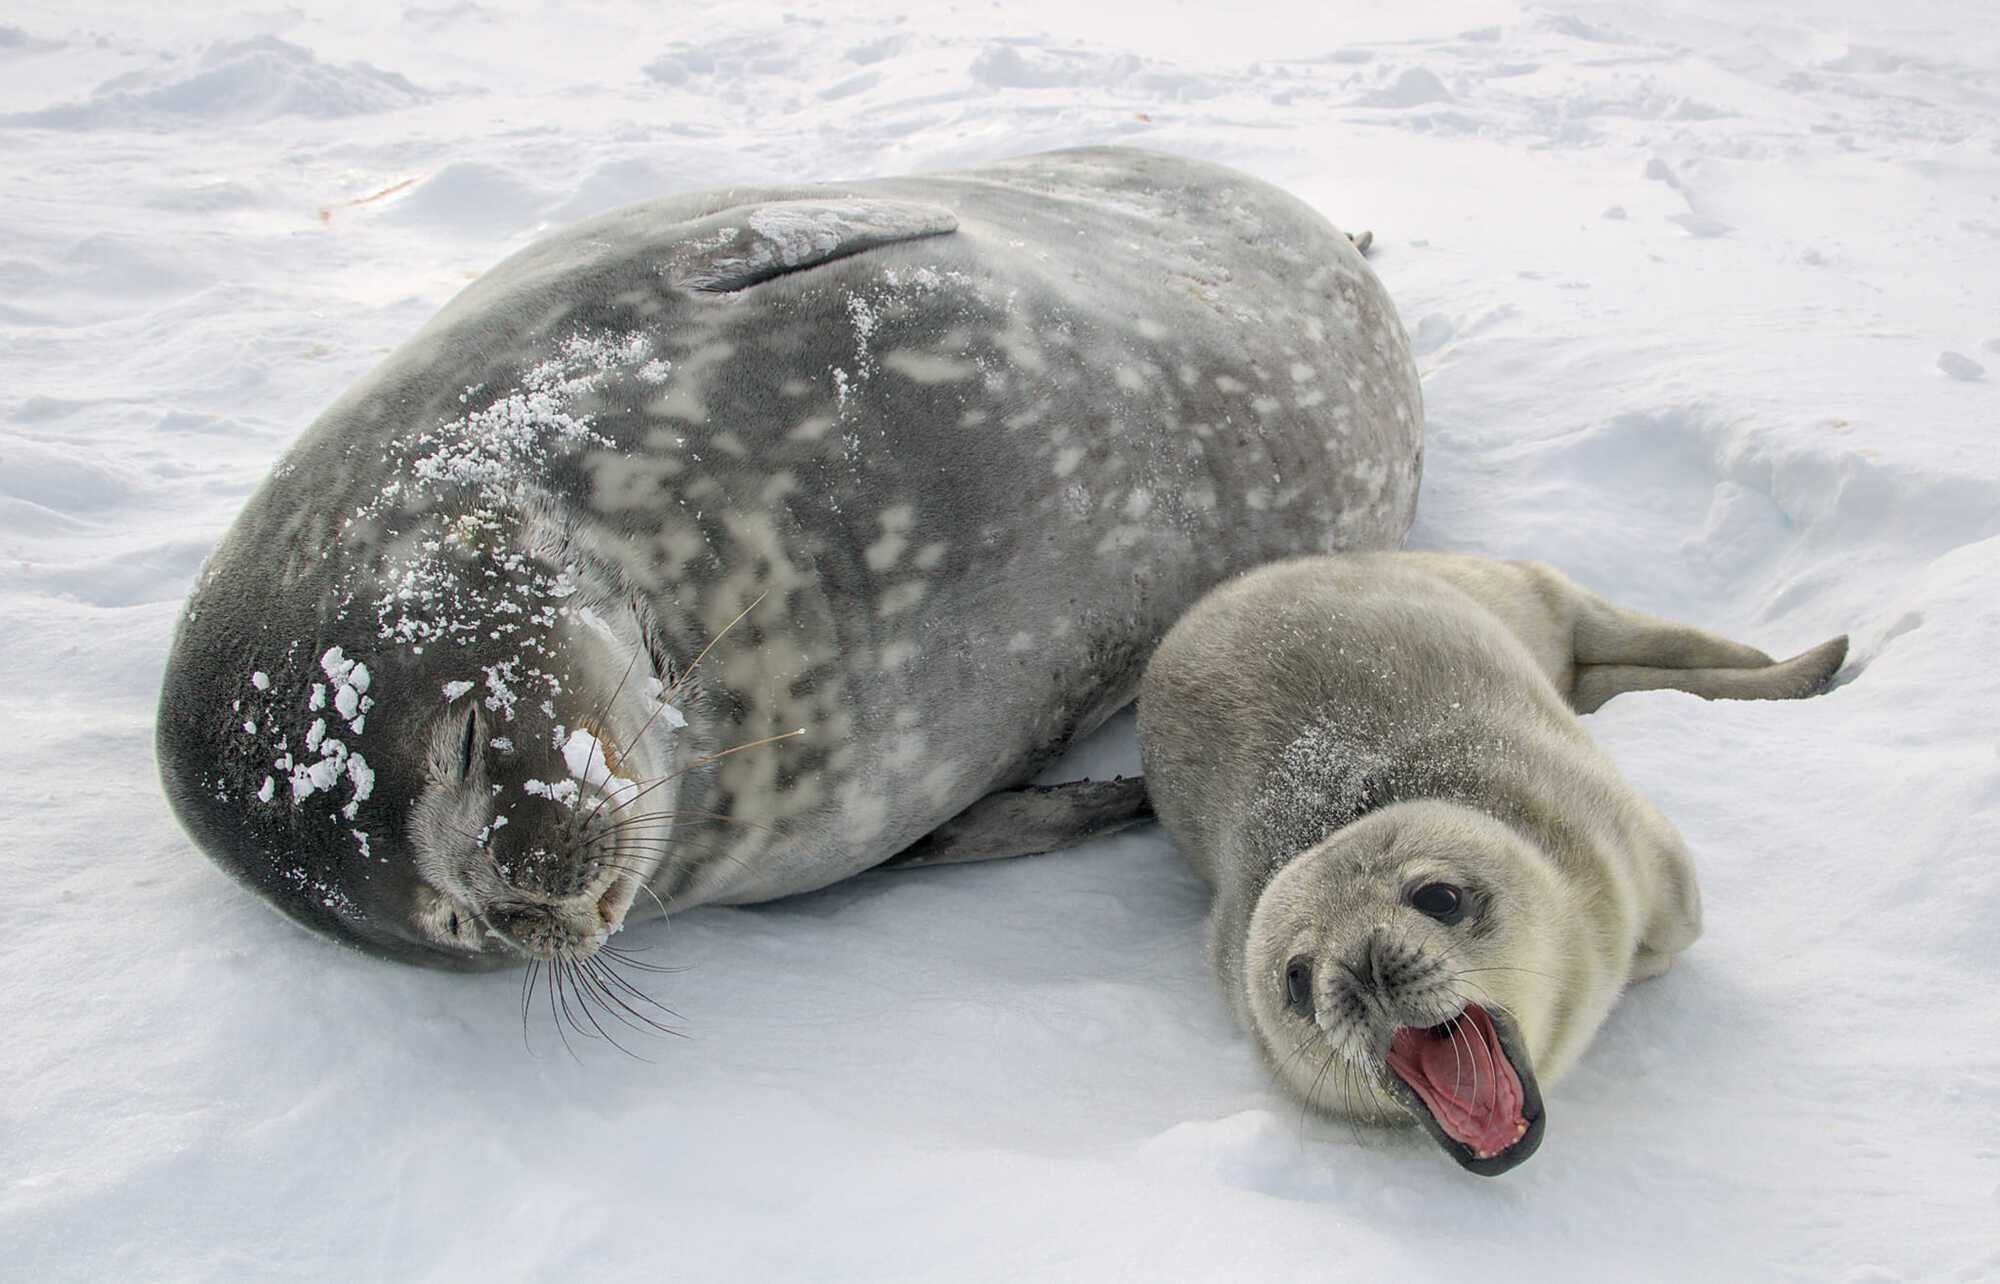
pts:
[907, 476]
[1429, 885]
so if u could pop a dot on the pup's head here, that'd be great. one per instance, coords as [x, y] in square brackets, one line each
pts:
[1402, 967]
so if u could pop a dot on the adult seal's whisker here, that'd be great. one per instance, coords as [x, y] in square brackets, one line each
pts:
[596, 755]
[567, 968]
[590, 987]
[559, 1003]
[670, 694]
[713, 758]
[586, 990]
[673, 692]
[613, 957]
[611, 976]
[527, 1001]
[611, 985]
[632, 1016]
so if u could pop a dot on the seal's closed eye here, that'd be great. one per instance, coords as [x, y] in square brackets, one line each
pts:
[470, 743]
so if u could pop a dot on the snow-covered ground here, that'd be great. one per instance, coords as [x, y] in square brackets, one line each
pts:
[1701, 299]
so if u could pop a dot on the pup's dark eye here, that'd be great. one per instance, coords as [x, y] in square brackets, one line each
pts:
[1441, 901]
[466, 749]
[1299, 986]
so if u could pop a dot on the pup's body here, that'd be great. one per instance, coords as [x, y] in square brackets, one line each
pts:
[1430, 886]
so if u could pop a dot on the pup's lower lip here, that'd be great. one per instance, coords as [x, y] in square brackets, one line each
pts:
[1470, 1083]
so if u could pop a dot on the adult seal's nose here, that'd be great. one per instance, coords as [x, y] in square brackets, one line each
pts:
[524, 927]
[545, 931]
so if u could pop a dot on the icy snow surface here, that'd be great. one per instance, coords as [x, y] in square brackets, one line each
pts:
[1701, 295]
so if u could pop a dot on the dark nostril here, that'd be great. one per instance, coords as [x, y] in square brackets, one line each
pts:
[525, 926]
[1377, 960]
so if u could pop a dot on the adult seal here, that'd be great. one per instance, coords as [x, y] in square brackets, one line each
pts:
[914, 472]
[1429, 885]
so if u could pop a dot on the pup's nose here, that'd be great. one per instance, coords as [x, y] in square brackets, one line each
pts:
[1383, 962]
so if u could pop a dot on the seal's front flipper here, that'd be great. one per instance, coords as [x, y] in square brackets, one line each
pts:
[1802, 675]
[738, 248]
[1026, 822]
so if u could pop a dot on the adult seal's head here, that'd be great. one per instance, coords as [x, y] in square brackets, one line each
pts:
[495, 778]
[1420, 940]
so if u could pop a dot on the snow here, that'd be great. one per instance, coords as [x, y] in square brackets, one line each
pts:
[586, 759]
[1960, 366]
[565, 792]
[1701, 293]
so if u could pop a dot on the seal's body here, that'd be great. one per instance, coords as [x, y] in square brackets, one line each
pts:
[1430, 886]
[932, 462]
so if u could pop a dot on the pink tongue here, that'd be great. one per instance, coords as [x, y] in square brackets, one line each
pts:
[1471, 1089]
[1460, 1070]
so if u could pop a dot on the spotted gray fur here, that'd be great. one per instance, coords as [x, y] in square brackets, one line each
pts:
[962, 446]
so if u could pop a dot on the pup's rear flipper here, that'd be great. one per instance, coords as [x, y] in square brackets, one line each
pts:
[1802, 675]
[1028, 821]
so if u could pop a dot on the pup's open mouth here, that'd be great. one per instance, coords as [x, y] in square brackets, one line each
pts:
[1470, 1083]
